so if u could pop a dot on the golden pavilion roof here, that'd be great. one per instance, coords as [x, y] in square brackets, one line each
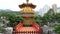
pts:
[27, 5]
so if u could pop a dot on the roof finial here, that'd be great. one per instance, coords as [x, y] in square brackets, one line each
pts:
[27, 1]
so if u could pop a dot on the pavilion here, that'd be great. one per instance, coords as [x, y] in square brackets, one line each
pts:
[28, 26]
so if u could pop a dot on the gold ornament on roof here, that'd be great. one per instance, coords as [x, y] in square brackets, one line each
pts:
[27, 1]
[27, 8]
[27, 5]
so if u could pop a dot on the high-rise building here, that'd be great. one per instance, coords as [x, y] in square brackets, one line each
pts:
[58, 10]
[44, 10]
[54, 7]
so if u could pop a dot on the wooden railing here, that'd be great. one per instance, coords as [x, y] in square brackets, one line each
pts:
[27, 32]
[35, 25]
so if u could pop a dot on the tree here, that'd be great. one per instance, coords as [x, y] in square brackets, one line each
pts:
[49, 16]
[12, 16]
[14, 20]
[58, 17]
[38, 18]
[57, 29]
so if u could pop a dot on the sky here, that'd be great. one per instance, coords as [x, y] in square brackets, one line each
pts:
[13, 4]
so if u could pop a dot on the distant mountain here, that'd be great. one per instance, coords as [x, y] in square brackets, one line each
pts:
[7, 10]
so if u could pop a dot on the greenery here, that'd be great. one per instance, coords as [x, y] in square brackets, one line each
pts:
[14, 18]
[57, 29]
[58, 17]
[0, 30]
[38, 18]
[49, 16]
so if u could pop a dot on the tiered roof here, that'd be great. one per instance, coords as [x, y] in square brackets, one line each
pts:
[27, 5]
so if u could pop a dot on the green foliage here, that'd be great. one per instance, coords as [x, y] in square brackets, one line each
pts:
[38, 18]
[12, 16]
[49, 16]
[0, 30]
[58, 17]
[57, 29]
[14, 19]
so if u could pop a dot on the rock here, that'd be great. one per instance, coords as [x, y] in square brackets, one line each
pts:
[8, 30]
[0, 33]
[45, 29]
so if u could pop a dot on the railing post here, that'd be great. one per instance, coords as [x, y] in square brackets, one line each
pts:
[26, 32]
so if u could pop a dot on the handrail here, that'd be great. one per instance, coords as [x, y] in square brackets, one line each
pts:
[27, 32]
